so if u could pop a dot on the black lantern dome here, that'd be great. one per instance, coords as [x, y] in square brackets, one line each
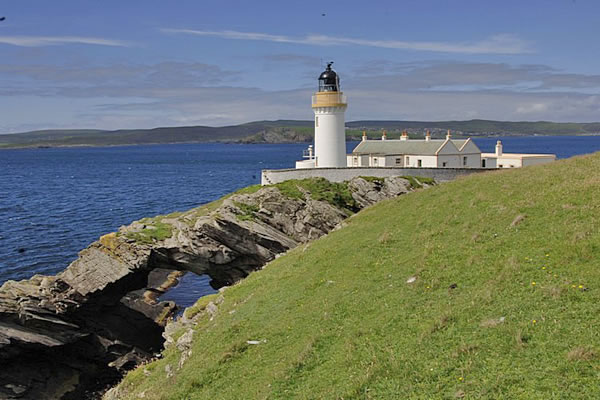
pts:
[329, 81]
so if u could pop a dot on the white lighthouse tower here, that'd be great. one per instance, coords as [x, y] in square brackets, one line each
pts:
[329, 105]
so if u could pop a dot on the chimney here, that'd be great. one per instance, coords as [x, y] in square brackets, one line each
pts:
[428, 136]
[498, 148]
[384, 136]
[364, 137]
[404, 136]
[448, 135]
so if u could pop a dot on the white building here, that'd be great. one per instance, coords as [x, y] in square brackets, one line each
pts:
[436, 153]
[499, 159]
[405, 152]
[329, 105]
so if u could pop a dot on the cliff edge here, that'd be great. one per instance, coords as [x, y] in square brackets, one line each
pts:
[69, 336]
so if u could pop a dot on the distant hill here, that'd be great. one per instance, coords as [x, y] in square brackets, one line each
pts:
[282, 131]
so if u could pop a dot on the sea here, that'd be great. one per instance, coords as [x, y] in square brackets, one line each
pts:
[56, 201]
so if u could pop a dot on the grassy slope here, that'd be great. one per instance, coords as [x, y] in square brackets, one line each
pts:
[340, 321]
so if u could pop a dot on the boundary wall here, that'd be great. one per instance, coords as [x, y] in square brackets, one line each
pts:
[272, 176]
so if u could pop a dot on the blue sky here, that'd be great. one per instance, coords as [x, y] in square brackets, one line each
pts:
[133, 64]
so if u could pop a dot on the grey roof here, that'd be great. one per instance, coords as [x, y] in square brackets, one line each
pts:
[459, 143]
[421, 147]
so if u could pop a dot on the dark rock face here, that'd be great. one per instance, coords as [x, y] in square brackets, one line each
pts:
[71, 335]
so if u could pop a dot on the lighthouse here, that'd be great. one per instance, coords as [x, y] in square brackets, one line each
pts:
[329, 105]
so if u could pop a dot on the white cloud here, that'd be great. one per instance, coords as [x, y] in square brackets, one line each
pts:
[532, 108]
[36, 41]
[497, 44]
[178, 93]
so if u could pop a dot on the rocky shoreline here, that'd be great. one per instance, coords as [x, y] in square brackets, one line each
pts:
[73, 335]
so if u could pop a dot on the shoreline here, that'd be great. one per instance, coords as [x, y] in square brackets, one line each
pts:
[63, 146]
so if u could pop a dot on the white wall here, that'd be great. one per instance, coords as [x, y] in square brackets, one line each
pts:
[426, 161]
[508, 162]
[270, 177]
[452, 161]
[394, 161]
[305, 164]
[357, 160]
[473, 160]
[377, 161]
[490, 162]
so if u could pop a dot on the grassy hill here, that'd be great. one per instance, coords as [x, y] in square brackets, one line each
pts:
[505, 302]
[282, 131]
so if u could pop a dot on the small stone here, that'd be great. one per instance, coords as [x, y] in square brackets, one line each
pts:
[412, 279]
[16, 389]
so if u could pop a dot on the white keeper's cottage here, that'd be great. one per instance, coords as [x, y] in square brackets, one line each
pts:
[405, 152]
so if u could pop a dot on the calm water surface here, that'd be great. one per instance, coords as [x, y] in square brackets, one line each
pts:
[54, 202]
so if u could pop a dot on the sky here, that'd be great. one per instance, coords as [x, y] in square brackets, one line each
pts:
[144, 63]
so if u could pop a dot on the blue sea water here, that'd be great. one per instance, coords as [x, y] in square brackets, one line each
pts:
[54, 202]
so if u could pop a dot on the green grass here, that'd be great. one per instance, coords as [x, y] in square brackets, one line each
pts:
[156, 231]
[336, 194]
[248, 211]
[200, 305]
[498, 310]
[418, 181]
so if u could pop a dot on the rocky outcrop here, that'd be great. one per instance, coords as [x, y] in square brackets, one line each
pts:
[69, 336]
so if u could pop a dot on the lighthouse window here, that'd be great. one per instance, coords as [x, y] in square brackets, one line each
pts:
[316, 122]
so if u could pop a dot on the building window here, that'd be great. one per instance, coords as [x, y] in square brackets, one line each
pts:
[316, 122]
[407, 161]
[464, 161]
[483, 163]
[375, 161]
[355, 161]
[398, 161]
[500, 166]
[419, 163]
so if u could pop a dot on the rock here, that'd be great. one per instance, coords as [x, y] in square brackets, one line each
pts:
[184, 342]
[368, 192]
[518, 219]
[70, 335]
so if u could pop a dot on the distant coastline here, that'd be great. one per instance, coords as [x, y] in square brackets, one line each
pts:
[284, 131]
